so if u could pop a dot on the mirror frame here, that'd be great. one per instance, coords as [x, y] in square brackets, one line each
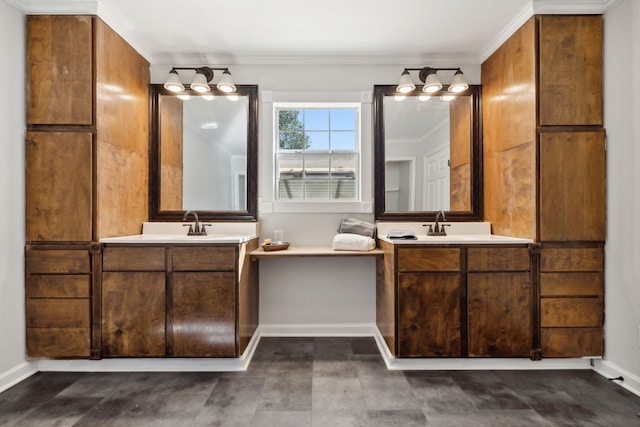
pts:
[248, 215]
[475, 214]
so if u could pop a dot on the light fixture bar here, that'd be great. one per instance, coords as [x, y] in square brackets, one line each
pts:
[432, 84]
[201, 80]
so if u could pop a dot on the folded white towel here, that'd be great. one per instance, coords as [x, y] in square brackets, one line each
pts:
[353, 242]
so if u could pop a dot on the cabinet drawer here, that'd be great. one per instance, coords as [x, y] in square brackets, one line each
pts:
[58, 313]
[428, 259]
[571, 284]
[571, 312]
[204, 259]
[572, 259]
[58, 286]
[57, 261]
[133, 259]
[58, 342]
[498, 259]
[572, 342]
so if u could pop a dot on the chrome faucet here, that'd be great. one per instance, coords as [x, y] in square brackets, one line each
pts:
[435, 231]
[194, 229]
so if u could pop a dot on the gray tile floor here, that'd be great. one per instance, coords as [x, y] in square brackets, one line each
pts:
[320, 382]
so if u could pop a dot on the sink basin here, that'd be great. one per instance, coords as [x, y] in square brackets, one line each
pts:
[179, 238]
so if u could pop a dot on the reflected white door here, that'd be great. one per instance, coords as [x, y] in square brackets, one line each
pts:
[435, 195]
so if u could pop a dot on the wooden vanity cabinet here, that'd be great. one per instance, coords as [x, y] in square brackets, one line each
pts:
[133, 302]
[455, 301]
[178, 300]
[429, 298]
[499, 285]
[58, 301]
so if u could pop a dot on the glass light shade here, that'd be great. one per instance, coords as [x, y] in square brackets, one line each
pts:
[458, 83]
[199, 83]
[226, 82]
[432, 83]
[173, 82]
[405, 85]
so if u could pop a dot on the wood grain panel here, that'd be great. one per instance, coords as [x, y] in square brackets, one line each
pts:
[499, 307]
[510, 191]
[122, 117]
[248, 295]
[574, 284]
[203, 313]
[572, 259]
[498, 259]
[428, 259]
[460, 188]
[133, 259]
[191, 258]
[386, 295]
[59, 70]
[58, 313]
[572, 186]
[429, 315]
[39, 261]
[58, 342]
[460, 131]
[572, 342]
[570, 70]
[58, 286]
[59, 186]
[171, 143]
[133, 314]
[509, 92]
[571, 312]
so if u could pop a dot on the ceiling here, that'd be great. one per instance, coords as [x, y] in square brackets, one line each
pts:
[311, 31]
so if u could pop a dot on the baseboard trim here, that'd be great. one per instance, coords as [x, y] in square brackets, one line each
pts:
[609, 369]
[319, 330]
[17, 374]
[156, 364]
[475, 363]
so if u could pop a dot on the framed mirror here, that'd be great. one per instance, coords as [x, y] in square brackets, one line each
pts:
[427, 154]
[204, 154]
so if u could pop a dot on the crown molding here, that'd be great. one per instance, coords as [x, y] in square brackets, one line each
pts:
[507, 32]
[578, 7]
[52, 7]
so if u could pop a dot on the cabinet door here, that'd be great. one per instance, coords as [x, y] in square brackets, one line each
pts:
[203, 314]
[133, 314]
[570, 70]
[499, 314]
[429, 314]
[572, 186]
[59, 70]
[59, 186]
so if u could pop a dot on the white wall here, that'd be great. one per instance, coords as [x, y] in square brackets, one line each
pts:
[621, 112]
[312, 291]
[12, 199]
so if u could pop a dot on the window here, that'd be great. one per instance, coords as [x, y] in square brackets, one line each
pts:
[317, 153]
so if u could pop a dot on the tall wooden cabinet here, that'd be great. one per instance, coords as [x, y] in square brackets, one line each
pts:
[86, 150]
[544, 169]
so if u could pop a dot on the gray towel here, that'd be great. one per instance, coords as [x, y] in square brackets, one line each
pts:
[357, 226]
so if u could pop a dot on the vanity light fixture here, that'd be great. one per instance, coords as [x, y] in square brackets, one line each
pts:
[201, 80]
[432, 84]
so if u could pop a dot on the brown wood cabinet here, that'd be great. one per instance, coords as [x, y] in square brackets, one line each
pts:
[544, 167]
[178, 300]
[58, 305]
[499, 287]
[455, 301]
[86, 169]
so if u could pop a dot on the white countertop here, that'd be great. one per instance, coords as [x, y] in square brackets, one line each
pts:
[176, 232]
[178, 238]
[457, 233]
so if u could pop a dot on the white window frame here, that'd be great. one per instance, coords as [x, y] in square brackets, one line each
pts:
[273, 101]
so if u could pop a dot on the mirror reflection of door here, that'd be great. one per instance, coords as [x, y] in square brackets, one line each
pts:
[399, 192]
[436, 180]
